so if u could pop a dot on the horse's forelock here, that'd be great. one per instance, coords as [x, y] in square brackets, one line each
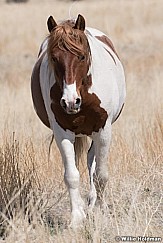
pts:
[65, 37]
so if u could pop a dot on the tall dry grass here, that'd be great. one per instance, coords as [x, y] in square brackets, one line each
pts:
[34, 202]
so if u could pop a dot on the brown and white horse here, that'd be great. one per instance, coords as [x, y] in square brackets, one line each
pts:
[78, 89]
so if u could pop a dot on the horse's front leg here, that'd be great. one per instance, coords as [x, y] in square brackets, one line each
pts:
[101, 143]
[65, 142]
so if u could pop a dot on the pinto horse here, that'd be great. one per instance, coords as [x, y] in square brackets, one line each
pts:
[78, 90]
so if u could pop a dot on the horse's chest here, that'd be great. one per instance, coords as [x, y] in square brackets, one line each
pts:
[90, 119]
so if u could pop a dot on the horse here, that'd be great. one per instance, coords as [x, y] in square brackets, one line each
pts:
[78, 91]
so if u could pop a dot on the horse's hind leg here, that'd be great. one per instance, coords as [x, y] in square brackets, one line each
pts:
[101, 146]
[91, 163]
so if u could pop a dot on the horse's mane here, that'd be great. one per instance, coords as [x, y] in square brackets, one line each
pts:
[65, 37]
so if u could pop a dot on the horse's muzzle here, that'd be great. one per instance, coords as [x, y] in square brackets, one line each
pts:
[71, 107]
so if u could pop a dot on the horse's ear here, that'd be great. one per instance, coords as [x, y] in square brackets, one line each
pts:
[51, 24]
[80, 23]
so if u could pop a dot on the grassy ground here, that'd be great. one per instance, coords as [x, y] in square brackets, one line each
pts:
[34, 202]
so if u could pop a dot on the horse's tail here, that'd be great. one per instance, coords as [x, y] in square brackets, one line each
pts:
[81, 145]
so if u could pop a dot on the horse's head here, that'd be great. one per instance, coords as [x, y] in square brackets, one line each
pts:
[69, 55]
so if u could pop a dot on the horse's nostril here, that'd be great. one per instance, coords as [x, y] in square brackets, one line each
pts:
[78, 101]
[63, 103]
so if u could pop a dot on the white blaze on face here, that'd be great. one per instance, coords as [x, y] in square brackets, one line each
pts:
[69, 92]
[70, 100]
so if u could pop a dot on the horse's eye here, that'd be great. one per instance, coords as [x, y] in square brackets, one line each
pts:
[81, 57]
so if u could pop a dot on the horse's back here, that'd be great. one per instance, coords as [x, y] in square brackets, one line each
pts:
[102, 37]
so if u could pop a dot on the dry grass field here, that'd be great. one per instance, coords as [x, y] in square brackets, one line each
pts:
[34, 203]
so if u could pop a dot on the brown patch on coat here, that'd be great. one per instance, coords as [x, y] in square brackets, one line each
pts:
[91, 117]
[66, 47]
[37, 94]
[109, 43]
